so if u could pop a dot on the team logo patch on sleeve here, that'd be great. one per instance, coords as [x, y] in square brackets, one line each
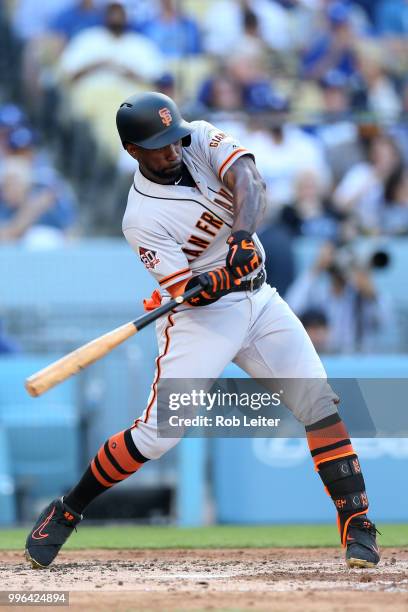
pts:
[149, 258]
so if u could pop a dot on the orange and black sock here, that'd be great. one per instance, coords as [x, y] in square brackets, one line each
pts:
[116, 460]
[339, 468]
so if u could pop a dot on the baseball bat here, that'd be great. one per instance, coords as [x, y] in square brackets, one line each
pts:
[77, 360]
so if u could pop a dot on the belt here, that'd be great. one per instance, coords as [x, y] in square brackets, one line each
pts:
[253, 283]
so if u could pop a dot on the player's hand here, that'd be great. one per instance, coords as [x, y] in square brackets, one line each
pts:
[242, 258]
[215, 284]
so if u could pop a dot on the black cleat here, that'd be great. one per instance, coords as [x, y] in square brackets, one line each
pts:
[362, 550]
[52, 529]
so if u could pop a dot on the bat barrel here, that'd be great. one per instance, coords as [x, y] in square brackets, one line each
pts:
[72, 363]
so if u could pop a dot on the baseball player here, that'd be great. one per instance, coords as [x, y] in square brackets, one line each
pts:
[193, 209]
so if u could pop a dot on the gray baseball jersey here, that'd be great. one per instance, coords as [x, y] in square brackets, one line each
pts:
[180, 231]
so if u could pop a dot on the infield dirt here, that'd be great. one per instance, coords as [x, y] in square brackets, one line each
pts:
[276, 580]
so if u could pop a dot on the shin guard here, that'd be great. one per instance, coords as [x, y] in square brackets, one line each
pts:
[339, 468]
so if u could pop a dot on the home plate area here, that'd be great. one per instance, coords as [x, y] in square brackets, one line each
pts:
[278, 579]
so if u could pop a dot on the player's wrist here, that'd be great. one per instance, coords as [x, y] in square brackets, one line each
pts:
[238, 236]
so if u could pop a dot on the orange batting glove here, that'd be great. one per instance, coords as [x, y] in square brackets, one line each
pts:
[242, 258]
[215, 284]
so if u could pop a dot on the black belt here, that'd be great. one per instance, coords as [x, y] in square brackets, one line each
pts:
[254, 283]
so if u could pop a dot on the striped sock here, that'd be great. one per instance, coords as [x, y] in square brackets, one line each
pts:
[116, 460]
[339, 468]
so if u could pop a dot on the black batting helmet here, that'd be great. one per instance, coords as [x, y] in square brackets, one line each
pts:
[151, 120]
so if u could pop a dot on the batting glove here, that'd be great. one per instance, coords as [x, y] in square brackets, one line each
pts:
[215, 284]
[242, 258]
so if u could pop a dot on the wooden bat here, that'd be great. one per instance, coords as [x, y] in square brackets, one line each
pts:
[77, 360]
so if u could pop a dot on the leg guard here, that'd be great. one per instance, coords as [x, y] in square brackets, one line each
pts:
[339, 468]
[344, 483]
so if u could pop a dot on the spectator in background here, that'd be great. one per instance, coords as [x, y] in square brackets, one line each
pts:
[30, 210]
[338, 131]
[221, 93]
[361, 191]
[112, 49]
[22, 147]
[335, 89]
[225, 22]
[392, 25]
[243, 81]
[316, 324]
[249, 66]
[21, 143]
[360, 318]
[221, 99]
[176, 34]
[107, 64]
[334, 48]
[311, 214]
[280, 259]
[283, 151]
[223, 25]
[399, 130]
[250, 42]
[31, 18]
[394, 210]
[73, 19]
[39, 49]
[246, 71]
[274, 24]
[166, 85]
[376, 91]
[11, 117]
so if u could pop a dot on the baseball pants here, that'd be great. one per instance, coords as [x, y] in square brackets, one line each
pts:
[259, 332]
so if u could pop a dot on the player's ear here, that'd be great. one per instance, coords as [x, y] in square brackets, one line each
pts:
[131, 149]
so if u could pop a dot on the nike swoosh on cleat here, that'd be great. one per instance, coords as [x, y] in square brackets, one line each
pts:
[39, 529]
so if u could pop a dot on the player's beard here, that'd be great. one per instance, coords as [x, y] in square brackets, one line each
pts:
[168, 174]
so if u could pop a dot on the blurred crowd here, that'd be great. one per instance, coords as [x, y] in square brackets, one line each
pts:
[37, 205]
[317, 89]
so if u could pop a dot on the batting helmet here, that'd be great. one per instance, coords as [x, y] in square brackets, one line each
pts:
[151, 120]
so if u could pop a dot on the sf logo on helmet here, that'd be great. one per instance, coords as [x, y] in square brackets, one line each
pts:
[165, 116]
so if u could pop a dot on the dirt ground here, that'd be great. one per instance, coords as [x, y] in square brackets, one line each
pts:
[276, 580]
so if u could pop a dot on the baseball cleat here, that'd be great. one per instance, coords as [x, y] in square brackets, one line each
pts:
[362, 550]
[52, 529]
